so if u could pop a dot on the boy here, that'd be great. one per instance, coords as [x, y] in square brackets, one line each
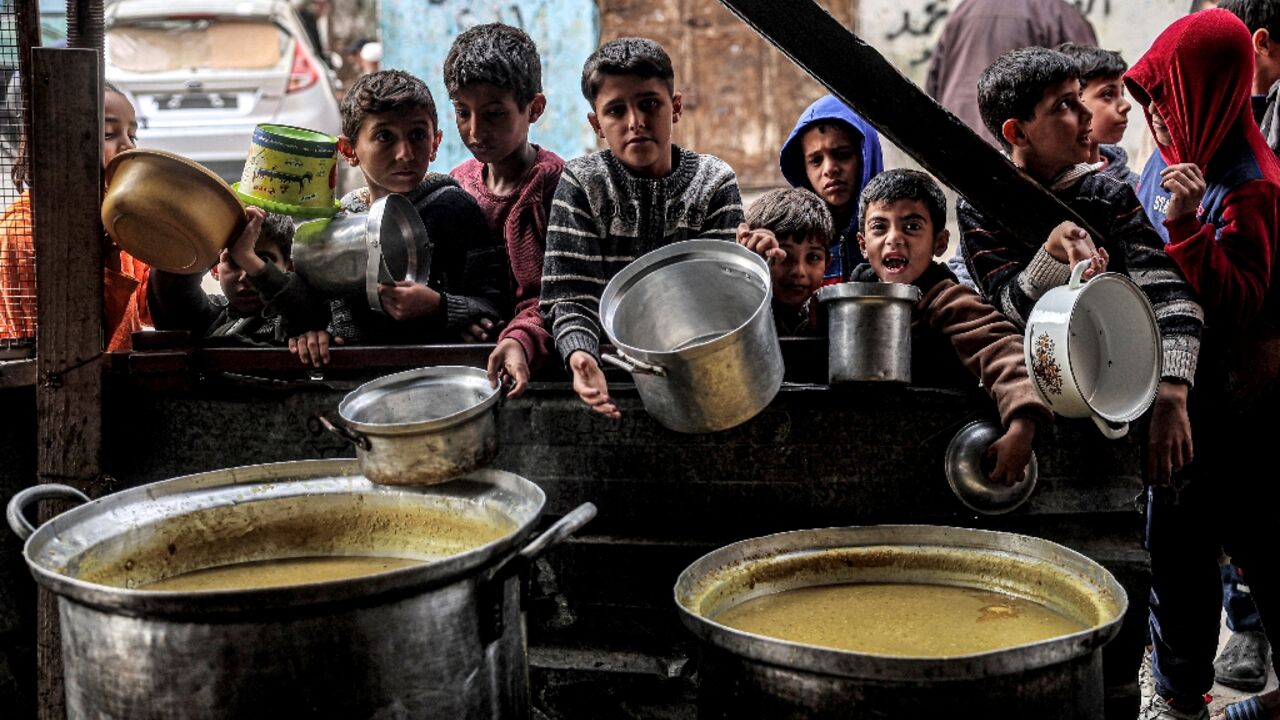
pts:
[801, 225]
[1030, 99]
[389, 131]
[1262, 18]
[1212, 191]
[494, 78]
[239, 315]
[903, 216]
[1102, 91]
[833, 152]
[615, 205]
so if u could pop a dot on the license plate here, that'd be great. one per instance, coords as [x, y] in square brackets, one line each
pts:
[197, 101]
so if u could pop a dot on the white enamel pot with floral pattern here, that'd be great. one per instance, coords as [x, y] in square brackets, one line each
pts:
[1093, 350]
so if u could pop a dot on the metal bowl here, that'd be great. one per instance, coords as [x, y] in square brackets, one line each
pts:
[969, 479]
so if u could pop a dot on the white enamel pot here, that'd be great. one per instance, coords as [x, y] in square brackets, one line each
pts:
[1093, 350]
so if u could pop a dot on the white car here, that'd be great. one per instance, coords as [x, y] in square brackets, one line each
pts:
[203, 73]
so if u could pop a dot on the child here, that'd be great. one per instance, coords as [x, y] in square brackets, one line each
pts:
[903, 213]
[833, 152]
[1262, 18]
[615, 205]
[801, 225]
[239, 315]
[1102, 91]
[1030, 99]
[124, 277]
[389, 131]
[494, 78]
[1212, 192]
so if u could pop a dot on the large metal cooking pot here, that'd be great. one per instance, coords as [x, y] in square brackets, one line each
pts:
[422, 426]
[869, 327]
[443, 639]
[692, 322]
[748, 675]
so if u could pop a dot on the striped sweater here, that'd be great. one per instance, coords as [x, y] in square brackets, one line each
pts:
[603, 217]
[1013, 274]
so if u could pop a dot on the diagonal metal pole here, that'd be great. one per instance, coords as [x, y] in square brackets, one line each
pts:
[860, 76]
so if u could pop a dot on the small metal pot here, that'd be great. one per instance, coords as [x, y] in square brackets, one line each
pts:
[354, 252]
[869, 327]
[692, 322]
[422, 426]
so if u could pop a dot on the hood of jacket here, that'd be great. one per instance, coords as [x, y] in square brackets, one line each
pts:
[829, 109]
[1198, 76]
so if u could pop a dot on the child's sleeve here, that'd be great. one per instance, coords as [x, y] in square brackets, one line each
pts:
[1230, 266]
[528, 327]
[300, 307]
[177, 302]
[1010, 275]
[724, 206]
[573, 274]
[478, 289]
[1177, 308]
[990, 347]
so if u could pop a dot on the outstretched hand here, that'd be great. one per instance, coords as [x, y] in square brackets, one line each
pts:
[312, 347]
[1069, 243]
[590, 384]
[508, 362]
[406, 300]
[1169, 443]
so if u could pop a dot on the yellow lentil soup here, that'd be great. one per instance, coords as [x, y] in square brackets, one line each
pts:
[278, 573]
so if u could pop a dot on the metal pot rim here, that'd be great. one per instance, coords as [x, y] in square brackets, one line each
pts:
[844, 663]
[459, 373]
[669, 255]
[275, 475]
[861, 290]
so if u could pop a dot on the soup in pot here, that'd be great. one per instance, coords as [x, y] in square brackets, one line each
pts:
[900, 619]
[277, 573]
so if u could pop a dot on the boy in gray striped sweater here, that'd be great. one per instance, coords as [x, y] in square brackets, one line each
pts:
[615, 205]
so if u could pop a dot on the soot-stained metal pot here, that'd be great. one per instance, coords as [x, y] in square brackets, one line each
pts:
[422, 426]
[869, 328]
[749, 675]
[693, 324]
[442, 639]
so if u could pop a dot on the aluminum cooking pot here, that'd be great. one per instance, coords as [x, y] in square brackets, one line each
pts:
[355, 252]
[1093, 350]
[422, 426]
[750, 675]
[693, 324]
[869, 327]
[440, 639]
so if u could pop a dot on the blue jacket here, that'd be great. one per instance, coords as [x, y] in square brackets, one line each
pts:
[844, 250]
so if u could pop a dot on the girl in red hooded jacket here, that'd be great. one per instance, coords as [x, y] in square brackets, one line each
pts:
[1213, 192]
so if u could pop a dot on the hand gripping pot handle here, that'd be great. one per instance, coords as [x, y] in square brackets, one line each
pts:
[1077, 274]
[632, 365]
[17, 506]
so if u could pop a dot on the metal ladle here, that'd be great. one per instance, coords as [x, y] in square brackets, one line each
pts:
[969, 476]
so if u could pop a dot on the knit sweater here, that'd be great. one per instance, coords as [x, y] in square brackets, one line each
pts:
[520, 219]
[466, 269]
[981, 339]
[604, 217]
[1013, 273]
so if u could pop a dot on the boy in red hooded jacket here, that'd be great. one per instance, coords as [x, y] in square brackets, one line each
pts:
[1213, 192]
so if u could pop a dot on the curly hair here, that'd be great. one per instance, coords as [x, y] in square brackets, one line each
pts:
[382, 92]
[627, 56]
[497, 54]
[792, 212]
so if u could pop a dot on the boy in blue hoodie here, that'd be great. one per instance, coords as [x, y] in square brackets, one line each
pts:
[833, 152]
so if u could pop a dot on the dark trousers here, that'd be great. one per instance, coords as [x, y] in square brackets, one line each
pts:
[1237, 600]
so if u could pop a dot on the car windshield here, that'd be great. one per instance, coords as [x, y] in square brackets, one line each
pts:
[161, 45]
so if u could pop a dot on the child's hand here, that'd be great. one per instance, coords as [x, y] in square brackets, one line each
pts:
[312, 347]
[1069, 243]
[760, 241]
[1012, 452]
[1169, 443]
[507, 361]
[482, 330]
[589, 383]
[243, 251]
[1186, 184]
[407, 299]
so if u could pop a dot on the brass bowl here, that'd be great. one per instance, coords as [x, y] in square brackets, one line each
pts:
[169, 212]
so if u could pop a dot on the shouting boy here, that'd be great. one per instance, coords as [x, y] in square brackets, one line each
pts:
[613, 206]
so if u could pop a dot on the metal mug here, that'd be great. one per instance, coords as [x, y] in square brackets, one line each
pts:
[869, 330]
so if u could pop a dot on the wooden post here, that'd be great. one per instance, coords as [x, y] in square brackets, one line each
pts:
[860, 76]
[66, 149]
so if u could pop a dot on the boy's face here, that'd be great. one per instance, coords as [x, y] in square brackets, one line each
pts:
[799, 275]
[235, 282]
[119, 128]
[832, 162]
[1057, 135]
[491, 123]
[392, 149]
[899, 240]
[1158, 128]
[1105, 99]
[634, 115]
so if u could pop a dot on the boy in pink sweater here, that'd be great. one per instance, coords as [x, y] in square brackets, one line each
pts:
[494, 78]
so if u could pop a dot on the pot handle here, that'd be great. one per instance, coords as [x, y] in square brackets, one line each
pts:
[563, 528]
[632, 365]
[48, 491]
[1111, 431]
[346, 433]
[1077, 274]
